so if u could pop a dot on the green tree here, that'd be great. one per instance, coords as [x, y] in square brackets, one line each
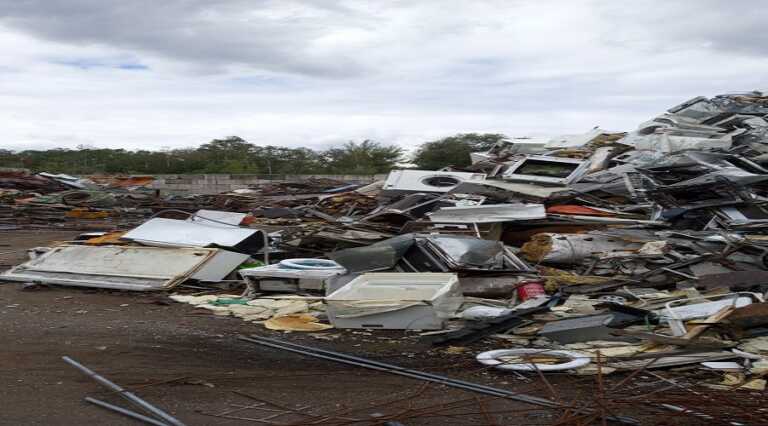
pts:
[228, 155]
[367, 157]
[454, 150]
[9, 159]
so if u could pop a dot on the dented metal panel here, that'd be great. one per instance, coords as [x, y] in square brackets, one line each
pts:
[489, 213]
[427, 181]
[117, 267]
[161, 232]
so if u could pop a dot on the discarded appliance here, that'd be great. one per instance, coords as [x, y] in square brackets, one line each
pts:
[431, 253]
[404, 181]
[278, 277]
[489, 213]
[504, 191]
[125, 268]
[400, 301]
[546, 170]
[310, 264]
[459, 252]
[179, 233]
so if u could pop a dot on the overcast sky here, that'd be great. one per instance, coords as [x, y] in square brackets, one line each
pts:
[176, 73]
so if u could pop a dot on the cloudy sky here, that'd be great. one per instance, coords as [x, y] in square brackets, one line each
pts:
[176, 73]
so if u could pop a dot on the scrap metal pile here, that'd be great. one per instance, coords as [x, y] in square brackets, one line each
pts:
[638, 250]
[46, 200]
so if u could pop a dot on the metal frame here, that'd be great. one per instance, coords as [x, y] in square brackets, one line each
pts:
[581, 168]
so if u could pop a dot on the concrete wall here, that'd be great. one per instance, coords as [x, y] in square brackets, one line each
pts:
[218, 183]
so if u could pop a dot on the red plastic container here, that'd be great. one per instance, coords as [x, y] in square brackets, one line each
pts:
[530, 289]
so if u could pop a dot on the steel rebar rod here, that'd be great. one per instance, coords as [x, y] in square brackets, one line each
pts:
[415, 374]
[402, 371]
[124, 393]
[125, 412]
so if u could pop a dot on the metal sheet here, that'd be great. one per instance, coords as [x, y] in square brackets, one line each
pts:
[666, 143]
[436, 253]
[501, 190]
[219, 266]
[118, 267]
[376, 257]
[400, 181]
[533, 168]
[217, 218]
[575, 141]
[489, 213]
[674, 360]
[161, 232]
[462, 251]
[279, 271]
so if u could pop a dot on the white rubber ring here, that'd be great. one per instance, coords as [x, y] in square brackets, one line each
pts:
[309, 263]
[491, 358]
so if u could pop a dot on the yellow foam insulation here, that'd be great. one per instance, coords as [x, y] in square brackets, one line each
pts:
[554, 278]
[298, 322]
[111, 238]
[537, 248]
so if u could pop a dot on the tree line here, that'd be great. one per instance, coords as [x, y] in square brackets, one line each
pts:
[234, 155]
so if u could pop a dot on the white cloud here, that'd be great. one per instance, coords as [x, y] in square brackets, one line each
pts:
[144, 74]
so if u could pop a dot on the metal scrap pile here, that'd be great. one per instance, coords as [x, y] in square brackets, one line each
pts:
[309, 186]
[645, 249]
[43, 200]
[21, 180]
[642, 246]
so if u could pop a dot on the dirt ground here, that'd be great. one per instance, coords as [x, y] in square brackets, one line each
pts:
[191, 364]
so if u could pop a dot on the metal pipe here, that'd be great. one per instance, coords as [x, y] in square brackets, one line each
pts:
[125, 412]
[266, 246]
[124, 393]
[394, 369]
[415, 374]
[677, 409]
[387, 367]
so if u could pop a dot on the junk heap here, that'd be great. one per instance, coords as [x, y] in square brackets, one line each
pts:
[651, 244]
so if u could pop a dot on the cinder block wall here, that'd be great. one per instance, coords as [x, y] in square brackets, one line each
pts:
[218, 183]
